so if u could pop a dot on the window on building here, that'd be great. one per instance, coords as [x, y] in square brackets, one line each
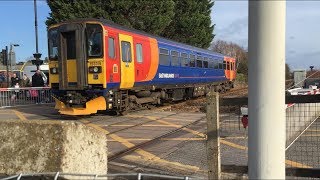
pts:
[192, 62]
[139, 53]
[126, 51]
[111, 49]
[184, 60]
[175, 58]
[164, 57]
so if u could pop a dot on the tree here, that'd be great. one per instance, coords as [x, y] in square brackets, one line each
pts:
[186, 21]
[191, 23]
[149, 16]
[288, 72]
[235, 51]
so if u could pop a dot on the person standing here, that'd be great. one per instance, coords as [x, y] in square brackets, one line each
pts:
[14, 80]
[25, 81]
[37, 81]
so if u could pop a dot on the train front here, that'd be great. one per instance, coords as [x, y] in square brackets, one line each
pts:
[77, 67]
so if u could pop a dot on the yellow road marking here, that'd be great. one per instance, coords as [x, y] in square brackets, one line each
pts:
[146, 155]
[162, 139]
[313, 130]
[20, 115]
[145, 125]
[292, 163]
[296, 164]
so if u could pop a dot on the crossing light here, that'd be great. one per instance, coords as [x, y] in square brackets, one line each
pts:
[4, 56]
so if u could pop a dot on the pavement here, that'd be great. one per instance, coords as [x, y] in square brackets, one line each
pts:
[182, 153]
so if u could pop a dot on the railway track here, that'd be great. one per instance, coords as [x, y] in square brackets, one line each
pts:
[147, 143]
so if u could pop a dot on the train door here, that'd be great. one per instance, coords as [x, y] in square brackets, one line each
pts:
[72, 63]
[126, 61]
[142, 58]
[113, 60]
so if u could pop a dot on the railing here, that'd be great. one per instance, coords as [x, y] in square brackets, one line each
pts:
[302, 135]
[24, 96]
[58, 175]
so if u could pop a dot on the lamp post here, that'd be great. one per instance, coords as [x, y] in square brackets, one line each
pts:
[36, 55]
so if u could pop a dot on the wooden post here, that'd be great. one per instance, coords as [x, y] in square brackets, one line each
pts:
[213, 142]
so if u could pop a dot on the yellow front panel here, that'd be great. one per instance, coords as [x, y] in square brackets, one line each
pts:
[53, 78]
[127, 68]
[101, 76]
[72, 70]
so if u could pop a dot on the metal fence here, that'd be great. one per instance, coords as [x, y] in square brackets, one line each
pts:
[59, 175]
[25, 96]
[302, 136]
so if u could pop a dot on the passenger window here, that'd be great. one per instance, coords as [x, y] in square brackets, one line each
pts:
[199, 61]
[228, 65]
[175, 58]
[210, 63]
[184, 60]
[192, 60]
[216, 64]
[111, 49]
[224, 65]
[205, 62]
[220, 66]
[126, 51]
[139, 53]
[164, 57]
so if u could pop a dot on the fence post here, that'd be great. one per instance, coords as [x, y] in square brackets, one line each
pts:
[213, 143]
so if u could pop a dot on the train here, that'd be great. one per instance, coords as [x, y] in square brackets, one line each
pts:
[97, 65]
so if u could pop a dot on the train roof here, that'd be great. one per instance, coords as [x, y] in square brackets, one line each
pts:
[114, 25]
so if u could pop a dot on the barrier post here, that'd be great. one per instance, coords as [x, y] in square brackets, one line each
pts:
[213, 143]
[267, 130]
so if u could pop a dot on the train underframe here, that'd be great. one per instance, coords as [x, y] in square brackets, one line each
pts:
[123, 101]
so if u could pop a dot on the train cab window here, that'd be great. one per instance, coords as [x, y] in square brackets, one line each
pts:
[175, 58]
[192, 60]
[199, 61]
[205, 62]
[126, 51]
[228, 65]
[111, 49]
[94, 40]
[139, 53]
[231, 66]
[164, 57]
[184, 60]
[53, 44]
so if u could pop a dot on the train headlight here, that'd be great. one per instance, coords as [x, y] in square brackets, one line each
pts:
[95, 69]
[54, 70]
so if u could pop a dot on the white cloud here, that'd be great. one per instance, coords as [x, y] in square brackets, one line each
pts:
[302, 29]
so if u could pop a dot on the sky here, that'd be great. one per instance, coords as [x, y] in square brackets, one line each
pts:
[230, 17]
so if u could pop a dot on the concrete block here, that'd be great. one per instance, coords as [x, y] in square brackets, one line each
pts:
[51, 146]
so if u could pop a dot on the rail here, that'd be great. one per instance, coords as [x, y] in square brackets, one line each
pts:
[25, 96]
